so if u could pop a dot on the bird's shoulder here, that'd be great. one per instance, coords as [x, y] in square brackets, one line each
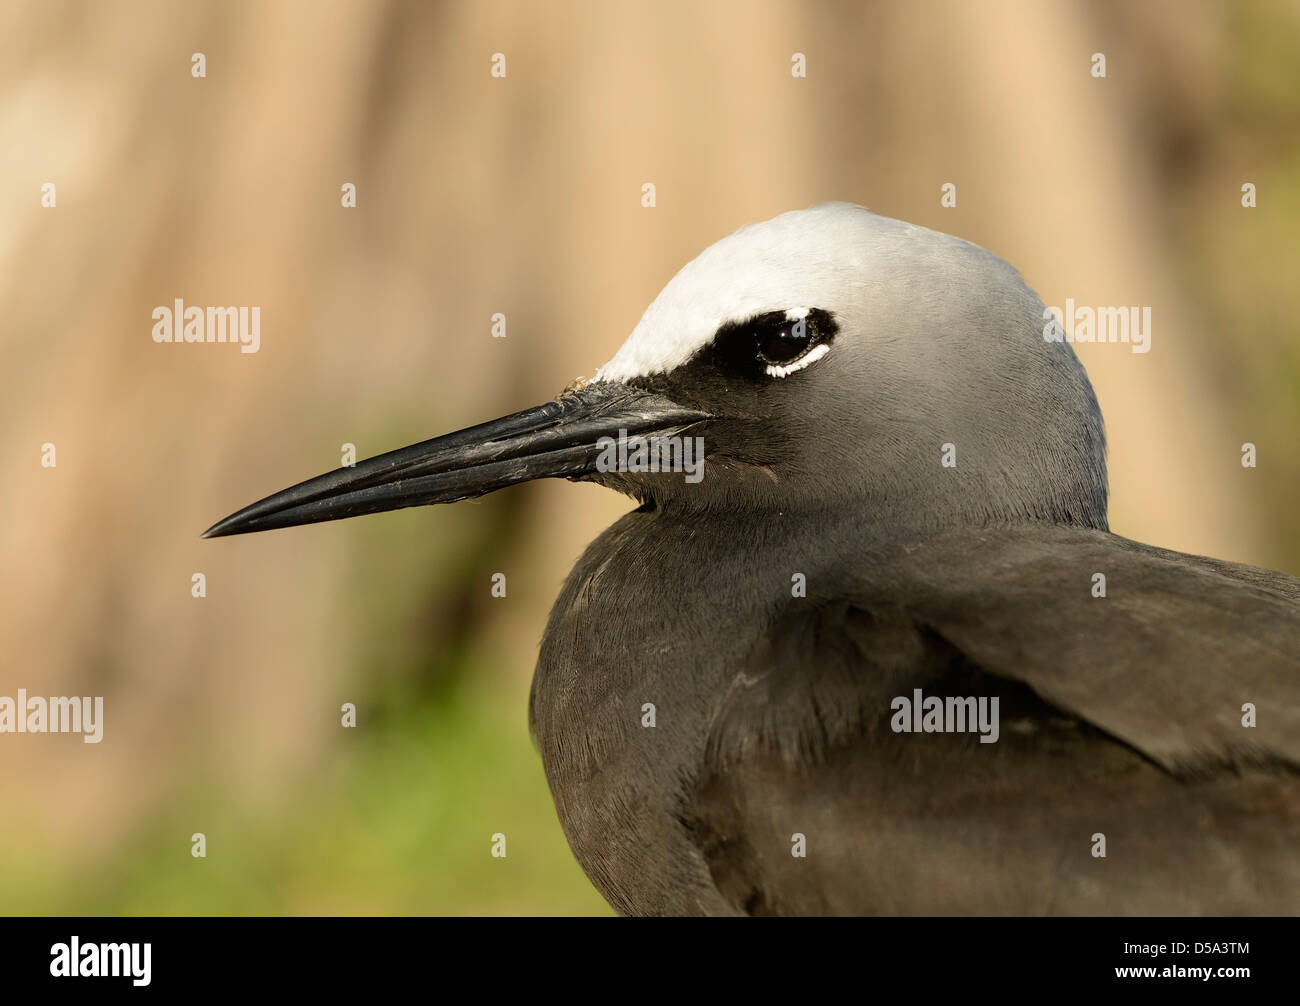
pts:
[1194, 662]
[1180, 666]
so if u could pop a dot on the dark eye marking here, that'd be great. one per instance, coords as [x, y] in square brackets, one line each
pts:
[772, 344]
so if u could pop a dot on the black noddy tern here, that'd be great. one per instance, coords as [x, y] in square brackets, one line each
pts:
[882, 654]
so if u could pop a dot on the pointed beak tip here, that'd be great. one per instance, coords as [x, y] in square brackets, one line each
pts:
[226, 527]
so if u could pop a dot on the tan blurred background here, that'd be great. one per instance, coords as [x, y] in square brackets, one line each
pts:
[520, 195]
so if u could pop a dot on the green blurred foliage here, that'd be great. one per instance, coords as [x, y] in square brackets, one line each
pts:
[398, 820]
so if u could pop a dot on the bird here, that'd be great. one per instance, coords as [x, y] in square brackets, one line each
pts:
[750, 691]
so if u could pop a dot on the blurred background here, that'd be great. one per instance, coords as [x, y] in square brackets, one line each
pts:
[519, 195]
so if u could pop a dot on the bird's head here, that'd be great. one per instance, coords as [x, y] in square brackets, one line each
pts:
[827, 357]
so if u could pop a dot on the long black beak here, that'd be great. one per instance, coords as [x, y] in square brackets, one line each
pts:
[555, 440]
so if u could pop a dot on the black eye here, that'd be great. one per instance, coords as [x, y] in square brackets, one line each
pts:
[765, 345]
[786, 342]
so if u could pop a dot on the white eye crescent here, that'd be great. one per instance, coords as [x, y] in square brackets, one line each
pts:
[809, 358]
